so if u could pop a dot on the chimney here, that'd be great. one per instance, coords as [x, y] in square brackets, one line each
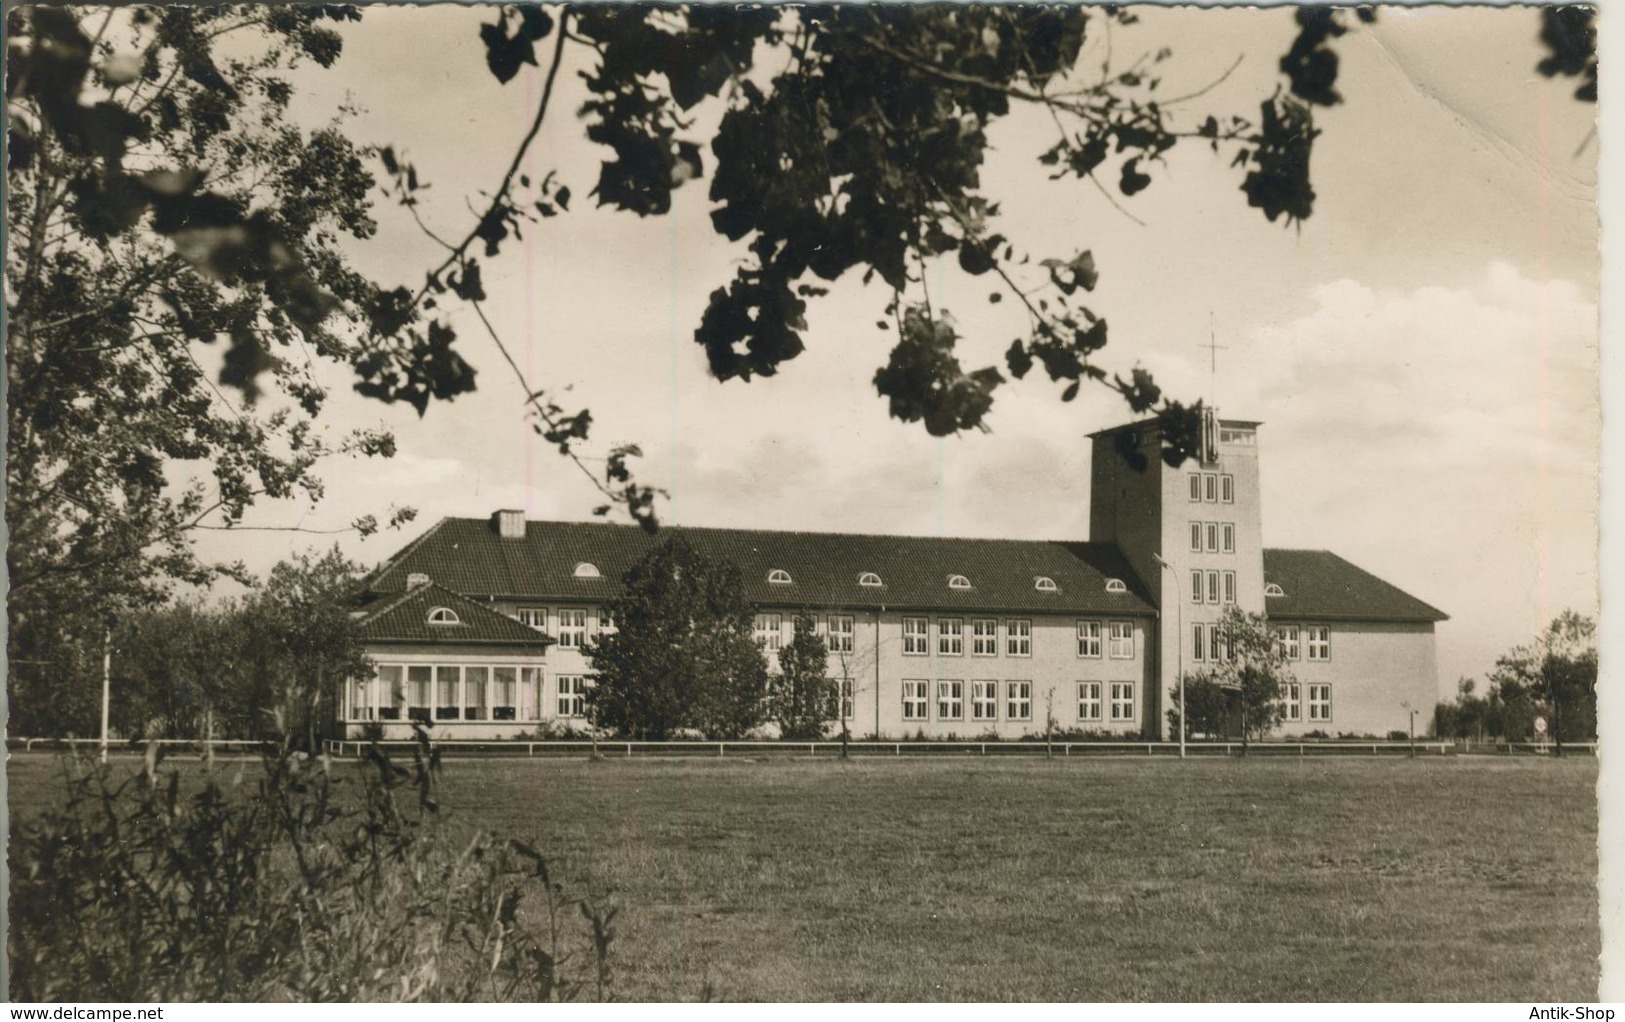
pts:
[509, 524]
[416, 579]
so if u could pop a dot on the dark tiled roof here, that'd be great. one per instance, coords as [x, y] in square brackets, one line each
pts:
[1321, 585]
[404, 617]
[467, 555]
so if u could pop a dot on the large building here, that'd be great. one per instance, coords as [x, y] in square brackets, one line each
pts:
[480, 625]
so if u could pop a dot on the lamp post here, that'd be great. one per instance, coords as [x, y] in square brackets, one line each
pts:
[1179, 648]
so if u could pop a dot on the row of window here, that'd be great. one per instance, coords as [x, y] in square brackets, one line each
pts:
[476, 692]
[1315, 639]
[1320, 702]
[571, 632]
[1018, 637]
[1213, 537]
[1017, 702]
[1212, 488]
[1209, 642]
[1213, 587]
[837, 631]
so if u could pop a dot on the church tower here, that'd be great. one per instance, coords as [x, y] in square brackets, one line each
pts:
[1193, 534]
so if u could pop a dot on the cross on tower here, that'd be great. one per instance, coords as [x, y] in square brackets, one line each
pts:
[1213, 348]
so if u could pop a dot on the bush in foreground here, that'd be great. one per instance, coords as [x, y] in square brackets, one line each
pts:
[297, 890]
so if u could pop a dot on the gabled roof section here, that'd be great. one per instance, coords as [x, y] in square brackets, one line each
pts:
[1319, 585]
[466, 555]
[404, 617]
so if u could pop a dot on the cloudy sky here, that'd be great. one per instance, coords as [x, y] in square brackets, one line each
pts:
[1422, 352]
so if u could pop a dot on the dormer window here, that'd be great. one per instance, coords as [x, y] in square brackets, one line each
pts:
[444, 616]
[587, 569]
[870, 580]
[1274, 590]
[958, 582]
[1045, 584]
[779, 577]
[1115, 585]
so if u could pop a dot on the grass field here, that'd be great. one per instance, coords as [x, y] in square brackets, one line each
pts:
[1303, 879]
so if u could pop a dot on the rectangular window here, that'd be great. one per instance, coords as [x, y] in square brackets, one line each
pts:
[606, 621]
[1227, 489]
[1122, 639]
[840, 633]
[1088, 700]
[984, 637]
[572, 696]
[1089, 638]
[1213, 587]
[770, 631]
[360, 700]
[1320, 702]
[950, 700]
[474, 693]
[1196, 587]
[984, 700]
[504, 693]
[1227, 537]
[844, 686]
[1320, 642]
[1197, 631]
[950, 636]
[1210, 487]
[530, 693]
[419, 681]
[1018, 638]
[1212, 529]
[572, 628]
[1291, 707]
[1288, 638]
[391, 693]
[1229, 587]
[916, 641]
[1122, 700]
[914, 700]
[1196, 487]
[1018, 700]
[535, 617]
[1196, 537]
[1218, 644]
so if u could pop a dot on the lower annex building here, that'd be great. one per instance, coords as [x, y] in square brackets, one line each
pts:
[480, 626]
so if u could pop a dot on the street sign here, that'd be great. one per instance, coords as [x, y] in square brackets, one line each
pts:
[1540, 725]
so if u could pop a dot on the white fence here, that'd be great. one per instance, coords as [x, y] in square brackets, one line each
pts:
[894, 749]
[690, 749]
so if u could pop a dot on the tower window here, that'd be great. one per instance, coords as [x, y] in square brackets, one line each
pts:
[1196, 536]
[1212, 537]
[1196, 487]
[1227, 535]
[1196, 587]
[1210, 487]
[1227, 489]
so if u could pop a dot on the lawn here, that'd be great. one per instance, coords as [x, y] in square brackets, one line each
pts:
[922, 879]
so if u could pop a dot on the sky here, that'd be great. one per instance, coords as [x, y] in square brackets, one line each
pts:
[1422, 351]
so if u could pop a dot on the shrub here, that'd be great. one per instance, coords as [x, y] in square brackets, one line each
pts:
[297, 890]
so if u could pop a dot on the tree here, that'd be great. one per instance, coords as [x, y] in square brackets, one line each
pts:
[684, 652]
[801, 694]
[1207, 705]
[1557, 672]
[161, 203]
[1251, 672]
